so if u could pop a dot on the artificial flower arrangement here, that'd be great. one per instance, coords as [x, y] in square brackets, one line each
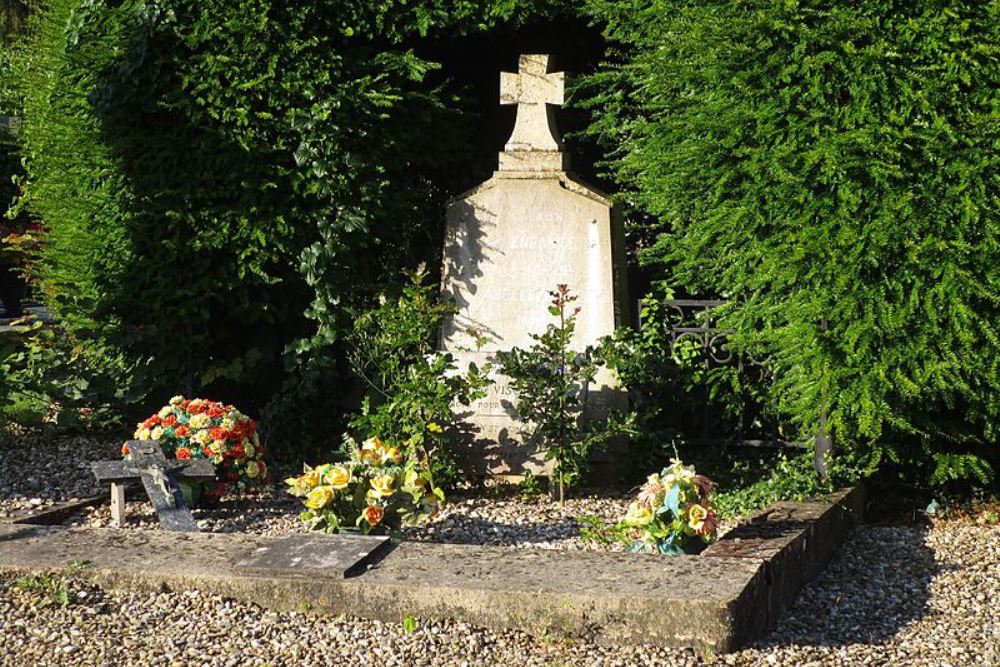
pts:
[377, 487]
[202, 429]
[672, 513]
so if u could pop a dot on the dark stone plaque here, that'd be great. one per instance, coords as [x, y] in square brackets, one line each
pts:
[315, 554]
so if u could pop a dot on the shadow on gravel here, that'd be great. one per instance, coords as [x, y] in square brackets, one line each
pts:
[18, 533]
[487, 532]
[879, 582]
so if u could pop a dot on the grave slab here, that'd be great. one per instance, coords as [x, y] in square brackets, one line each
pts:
[315, 554]
[713, 602]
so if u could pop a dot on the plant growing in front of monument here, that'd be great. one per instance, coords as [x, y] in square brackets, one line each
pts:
[201, 429]
[412, 388]
[672, 514]
[551, 382]
[378, 486]
[529, 486]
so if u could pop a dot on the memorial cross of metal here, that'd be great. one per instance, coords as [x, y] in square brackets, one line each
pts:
[147, 463]
[533, 89]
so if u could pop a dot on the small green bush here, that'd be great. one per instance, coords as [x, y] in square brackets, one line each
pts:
[550, 380]
[412, 390]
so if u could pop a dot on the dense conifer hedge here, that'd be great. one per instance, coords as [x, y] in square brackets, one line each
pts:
[833, 169]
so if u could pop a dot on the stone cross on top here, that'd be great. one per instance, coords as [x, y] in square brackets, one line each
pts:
[534, 145]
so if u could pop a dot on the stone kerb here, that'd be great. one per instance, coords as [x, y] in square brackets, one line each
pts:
[717, 601]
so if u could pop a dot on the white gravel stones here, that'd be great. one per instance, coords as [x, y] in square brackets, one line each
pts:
[189, 628]
[36, 470]
[897, 595]
[513, 522]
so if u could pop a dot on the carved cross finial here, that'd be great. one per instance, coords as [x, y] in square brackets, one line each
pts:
[533, 89]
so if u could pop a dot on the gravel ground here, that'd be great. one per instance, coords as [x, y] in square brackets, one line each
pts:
[39, 472]
[896, 595]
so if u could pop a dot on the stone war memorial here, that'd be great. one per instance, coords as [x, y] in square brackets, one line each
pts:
[508, 243]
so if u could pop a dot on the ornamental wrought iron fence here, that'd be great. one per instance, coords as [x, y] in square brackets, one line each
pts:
[694, 339]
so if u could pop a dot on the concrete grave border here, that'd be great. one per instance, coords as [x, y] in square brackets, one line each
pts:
[729, 595]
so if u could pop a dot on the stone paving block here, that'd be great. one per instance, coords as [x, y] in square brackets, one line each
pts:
[314, 554]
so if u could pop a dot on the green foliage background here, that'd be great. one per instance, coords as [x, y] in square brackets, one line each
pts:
[224, 182]
[832, 169]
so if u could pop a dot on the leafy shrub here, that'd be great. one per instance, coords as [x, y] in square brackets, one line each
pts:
[412, 390]
[52, 381]
[751, 481]
[830, 169]
[170, 253]
[8, 349]
[551, 380]
[671, 395]
[225, 183]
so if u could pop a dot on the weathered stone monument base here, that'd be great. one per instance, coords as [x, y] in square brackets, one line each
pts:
[717, 601]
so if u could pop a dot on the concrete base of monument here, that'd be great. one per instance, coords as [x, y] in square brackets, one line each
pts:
[730, 594]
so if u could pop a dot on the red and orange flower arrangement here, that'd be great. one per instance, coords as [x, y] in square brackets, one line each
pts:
[202, 429]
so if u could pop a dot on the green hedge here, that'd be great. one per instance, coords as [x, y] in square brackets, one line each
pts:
[225, 182]
[822, 162]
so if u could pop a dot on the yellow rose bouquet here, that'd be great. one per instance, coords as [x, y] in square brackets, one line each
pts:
[672, 513]
[377, 488]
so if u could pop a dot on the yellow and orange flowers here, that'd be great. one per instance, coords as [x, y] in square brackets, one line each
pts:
[672, 513]
[374, 515]
[378, 486]
[383, 486]
[337, 477]
[319, 497]
[696, 516]
[638, 515]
